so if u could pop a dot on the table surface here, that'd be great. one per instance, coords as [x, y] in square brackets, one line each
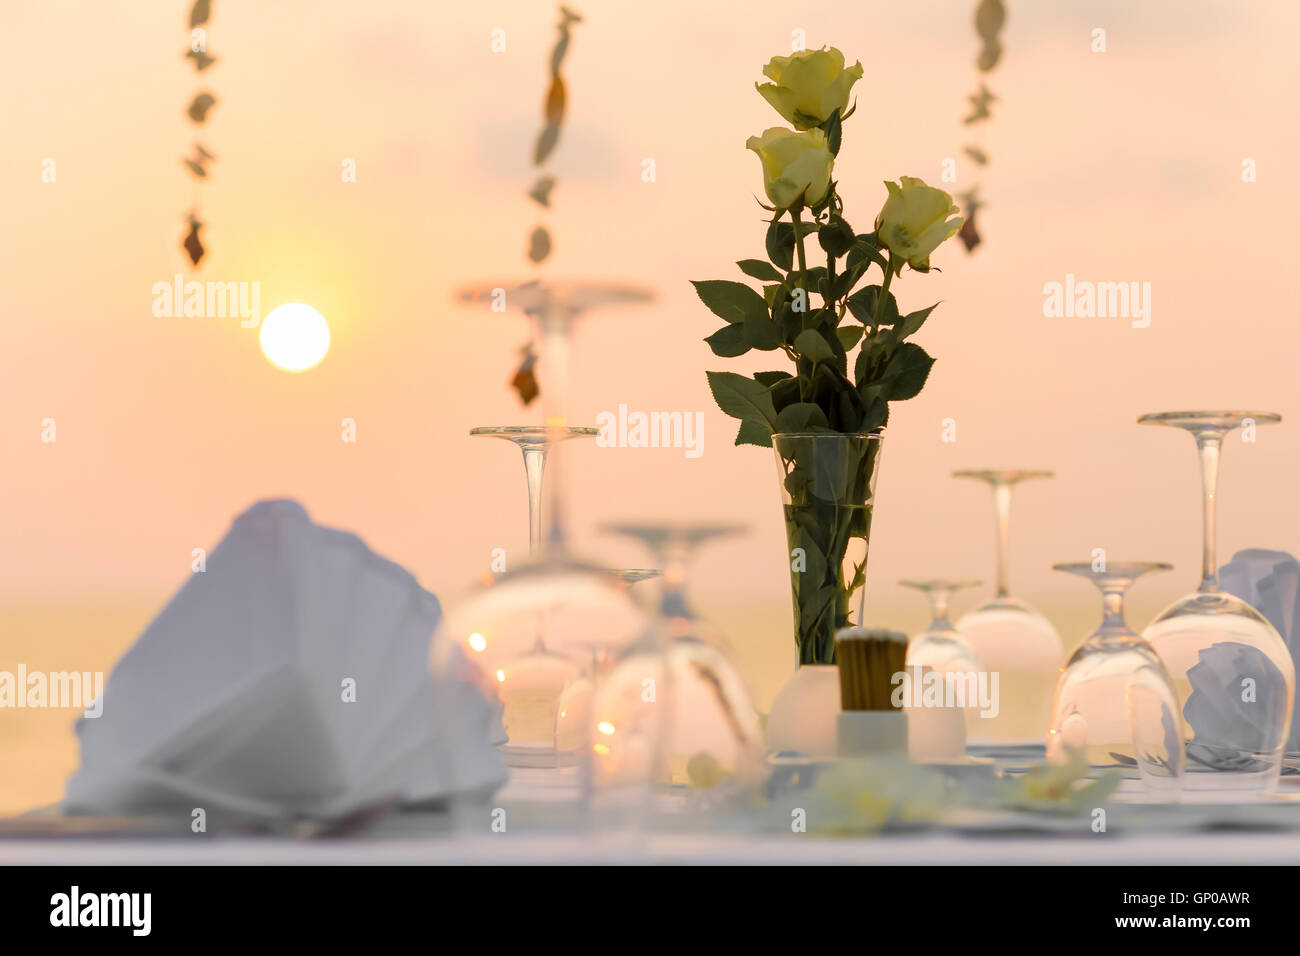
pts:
[926, 849]
[1256, 833]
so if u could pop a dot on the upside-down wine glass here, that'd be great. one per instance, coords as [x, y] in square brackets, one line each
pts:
[529, 676]
[942, 647]
[1233, 674]
[673, 545]
[1114, 706]
[1011, 638]
[554, 307]
[535, 442]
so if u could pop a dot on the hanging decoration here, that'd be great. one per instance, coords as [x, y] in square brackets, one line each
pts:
[540, 246]
[200, 105]
[990, 17]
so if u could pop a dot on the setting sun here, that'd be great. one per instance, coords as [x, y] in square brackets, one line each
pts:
[294, 337]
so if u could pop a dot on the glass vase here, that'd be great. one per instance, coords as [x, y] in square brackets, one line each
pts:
[828, 483]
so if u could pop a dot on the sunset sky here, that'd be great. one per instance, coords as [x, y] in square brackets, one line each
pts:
[1117, 166]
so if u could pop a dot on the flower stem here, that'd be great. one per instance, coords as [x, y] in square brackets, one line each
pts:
[803, 268]
[798, 244]
[884, 291]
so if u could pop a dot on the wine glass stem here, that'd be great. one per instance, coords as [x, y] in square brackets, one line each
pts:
[554, 327]
[534, 468]
[1112, 604]
[1002, 507]
[672, 558]
[1208, 446]
[553, 331]
[939, 607]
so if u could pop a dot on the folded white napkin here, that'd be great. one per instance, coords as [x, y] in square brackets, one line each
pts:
[287, 680]
[1269, 581]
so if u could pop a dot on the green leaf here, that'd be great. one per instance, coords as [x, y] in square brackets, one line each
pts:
[785, 392]
[865, 248]
[813, 277]
[742, 397]
[912, 321]
[836, 237]
[729, 341]
[872, 359]
[780, 244]
[833, 132]
[863, 306]
[849, 335]
[876, 416]
[760, 332]
[848, 410]
[800, 417]
[789, 322]
[796, 483]
[831, 334]
[906, 372]
[810, 344]
[731, 301]
[758, 269]
[771, 378]
[754, 433]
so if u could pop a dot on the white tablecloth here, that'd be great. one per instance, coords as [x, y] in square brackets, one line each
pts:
[1138, 835]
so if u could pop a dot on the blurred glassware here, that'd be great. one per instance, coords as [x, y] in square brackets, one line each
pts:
[1233, 674]
[535, 442]
[573, 706]
[943, 648]
[940, 646]
[1010, 637]
[554, 307]
[527, 635]
[1269, 581]
[1114, 704]
[673, 545]
[632, 576]
[676, 712]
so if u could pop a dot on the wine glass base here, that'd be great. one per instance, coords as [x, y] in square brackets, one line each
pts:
[529, 755]
[1213, 421]
[561, 298]
[1211, 782]
[534, 435]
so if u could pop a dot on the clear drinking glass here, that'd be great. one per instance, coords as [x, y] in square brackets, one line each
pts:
[1114, 704]
[942, 647]
[1011, 638]
[554, 306]
[1232, 672]
[676, 712]
[530, 634]
[673, 545]
[535, 442]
